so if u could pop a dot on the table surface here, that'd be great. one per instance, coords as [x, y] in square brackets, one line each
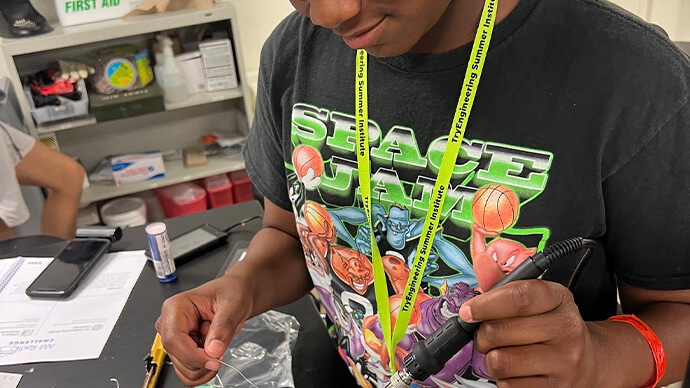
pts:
[316, 363]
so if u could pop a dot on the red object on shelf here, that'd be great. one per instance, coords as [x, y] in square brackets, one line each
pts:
[184, 198]
[218, 191]
[241, 186]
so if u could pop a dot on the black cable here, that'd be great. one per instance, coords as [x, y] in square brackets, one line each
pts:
[242, 223]
[429, 356]
[584, 260]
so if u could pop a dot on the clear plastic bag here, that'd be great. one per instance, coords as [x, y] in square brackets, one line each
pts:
[103, 173]
[262, 351]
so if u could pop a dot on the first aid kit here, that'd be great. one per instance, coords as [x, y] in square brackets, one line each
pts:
[73, 12]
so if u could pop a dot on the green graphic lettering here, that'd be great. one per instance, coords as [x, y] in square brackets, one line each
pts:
[344, 135]
[339, 177]
[521, 169]
[399, 146]
[462, 213]
[388, 190]
[422, 195]
[471, 152]
[309, 125]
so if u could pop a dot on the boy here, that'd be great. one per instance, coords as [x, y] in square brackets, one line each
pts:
[579, 128]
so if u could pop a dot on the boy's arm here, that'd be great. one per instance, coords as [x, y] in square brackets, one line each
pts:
[196, 326]
[667, 313]
[533, 336]
[274, 266]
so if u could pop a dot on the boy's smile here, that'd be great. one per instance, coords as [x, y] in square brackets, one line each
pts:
[387, 28]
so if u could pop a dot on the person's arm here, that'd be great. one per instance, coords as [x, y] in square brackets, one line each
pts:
[667, 313]
[6, 232]
[63, 177]
[533, 336]
[196, 326]
[274, 269]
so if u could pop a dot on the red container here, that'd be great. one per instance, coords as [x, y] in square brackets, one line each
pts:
[218, 191]
[181, 199]
[241, 186]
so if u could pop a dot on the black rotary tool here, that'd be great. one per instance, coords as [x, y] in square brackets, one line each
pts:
[430, 356]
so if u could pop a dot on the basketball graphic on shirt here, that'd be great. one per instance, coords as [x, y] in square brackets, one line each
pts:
[319, 221]
[308, 165]
[495, 208]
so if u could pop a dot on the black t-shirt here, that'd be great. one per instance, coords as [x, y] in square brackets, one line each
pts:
[579, 128]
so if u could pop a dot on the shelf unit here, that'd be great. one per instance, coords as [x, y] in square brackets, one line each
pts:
[194, 100]
[231, 107]
[175, 172]
[63, 37]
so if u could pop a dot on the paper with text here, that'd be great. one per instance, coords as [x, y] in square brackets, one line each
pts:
[9, 380]
[76, 328]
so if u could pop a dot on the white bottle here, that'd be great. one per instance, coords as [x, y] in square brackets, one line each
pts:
[172, 78]
[158, 69]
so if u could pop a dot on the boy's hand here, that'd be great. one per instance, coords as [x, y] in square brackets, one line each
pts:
[533, 336]
[196, 327]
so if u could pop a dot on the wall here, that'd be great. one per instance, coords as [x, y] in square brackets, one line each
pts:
[257, 19]
[672, 15]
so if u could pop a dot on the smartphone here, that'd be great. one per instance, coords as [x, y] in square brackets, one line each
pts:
[62, 276]
[196, 242]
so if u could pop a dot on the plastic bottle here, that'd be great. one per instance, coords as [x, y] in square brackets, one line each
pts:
[158, 69]
[172, 78]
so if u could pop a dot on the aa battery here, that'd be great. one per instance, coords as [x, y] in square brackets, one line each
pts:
[159, 243]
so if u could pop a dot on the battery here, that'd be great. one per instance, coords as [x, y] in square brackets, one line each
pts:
[159, 243]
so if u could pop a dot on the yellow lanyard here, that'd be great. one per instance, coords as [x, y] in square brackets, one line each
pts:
[433, 216]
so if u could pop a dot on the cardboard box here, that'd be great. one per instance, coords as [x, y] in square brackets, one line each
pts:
[219, 64]
[127, 104]
[139, 167]
[193, 69]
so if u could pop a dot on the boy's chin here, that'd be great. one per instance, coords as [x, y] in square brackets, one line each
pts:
[387, 50]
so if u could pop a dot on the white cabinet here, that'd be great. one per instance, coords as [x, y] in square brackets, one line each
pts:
[178, 127]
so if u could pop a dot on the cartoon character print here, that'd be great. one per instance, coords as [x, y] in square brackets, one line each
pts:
[493, 261]
[495, 209]
[316, 251]
[395, 231]
[353, 268]
[316, 233]
[355, 369]
[296, 194]
[348, 321]
[397, 273]
[435, 312]
[428, 314]
[308, 165]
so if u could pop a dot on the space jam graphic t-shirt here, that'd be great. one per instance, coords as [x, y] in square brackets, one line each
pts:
[578, 129]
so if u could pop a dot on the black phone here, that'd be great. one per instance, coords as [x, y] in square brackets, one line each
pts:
[195, 242]
[62, 276]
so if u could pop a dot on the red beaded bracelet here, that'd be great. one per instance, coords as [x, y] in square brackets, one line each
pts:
[653, 342]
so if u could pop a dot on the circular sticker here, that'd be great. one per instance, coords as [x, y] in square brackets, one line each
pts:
[120, 73]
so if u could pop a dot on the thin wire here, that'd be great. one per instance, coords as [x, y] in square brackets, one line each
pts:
[238, 371]
[589, 245]
[220, 381]
[242, 223]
